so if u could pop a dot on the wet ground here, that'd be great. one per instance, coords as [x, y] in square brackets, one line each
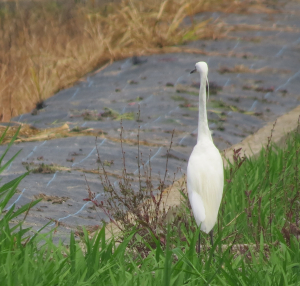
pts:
[254, 75]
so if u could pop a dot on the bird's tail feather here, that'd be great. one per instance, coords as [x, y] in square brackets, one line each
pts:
[198, 208]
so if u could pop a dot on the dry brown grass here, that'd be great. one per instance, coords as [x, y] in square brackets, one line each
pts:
[47, 46]
[28, 133]
[245, 69]
[52, 199]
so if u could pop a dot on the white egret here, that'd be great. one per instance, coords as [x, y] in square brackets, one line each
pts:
[205, 174]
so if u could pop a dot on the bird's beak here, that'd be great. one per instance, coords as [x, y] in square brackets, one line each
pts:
[193, 71]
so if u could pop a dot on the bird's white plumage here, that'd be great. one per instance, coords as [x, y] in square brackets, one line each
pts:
[205, 176]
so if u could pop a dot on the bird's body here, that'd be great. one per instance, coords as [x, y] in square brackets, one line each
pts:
[205, 175]
[205, 183]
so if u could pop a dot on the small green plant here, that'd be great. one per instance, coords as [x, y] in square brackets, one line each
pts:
[115, 115]
[178, 98]
[40, 168]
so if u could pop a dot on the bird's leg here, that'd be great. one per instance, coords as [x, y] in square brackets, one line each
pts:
[211, 234]
[198, 248]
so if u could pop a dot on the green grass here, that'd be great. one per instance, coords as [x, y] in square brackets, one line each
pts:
[255, 238]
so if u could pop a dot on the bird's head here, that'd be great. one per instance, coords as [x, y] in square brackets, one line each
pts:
[201, 67]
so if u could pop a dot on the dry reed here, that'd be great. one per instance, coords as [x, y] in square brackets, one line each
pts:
[48, 45]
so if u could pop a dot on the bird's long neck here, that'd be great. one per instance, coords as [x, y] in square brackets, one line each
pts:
[203, 130]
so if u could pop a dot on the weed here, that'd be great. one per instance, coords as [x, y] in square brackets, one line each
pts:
[94, 115]
[169, 84]
[258, 88]
[40, 168]
[107, 163]
[270, 202]
[115, 115]
[214, 88]
[245, 69]
[52, 199]
[137, 99]
[188, 105]
[127, 207]
[178, 98]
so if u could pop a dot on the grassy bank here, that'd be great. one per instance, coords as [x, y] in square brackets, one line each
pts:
[256, 237]
[49, 45]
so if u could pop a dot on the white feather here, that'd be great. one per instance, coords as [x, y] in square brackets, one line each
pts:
[205, 183]
[205, 175]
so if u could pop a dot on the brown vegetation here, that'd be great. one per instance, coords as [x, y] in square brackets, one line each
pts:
[52, 199]
[245, 69]
[46, 46]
